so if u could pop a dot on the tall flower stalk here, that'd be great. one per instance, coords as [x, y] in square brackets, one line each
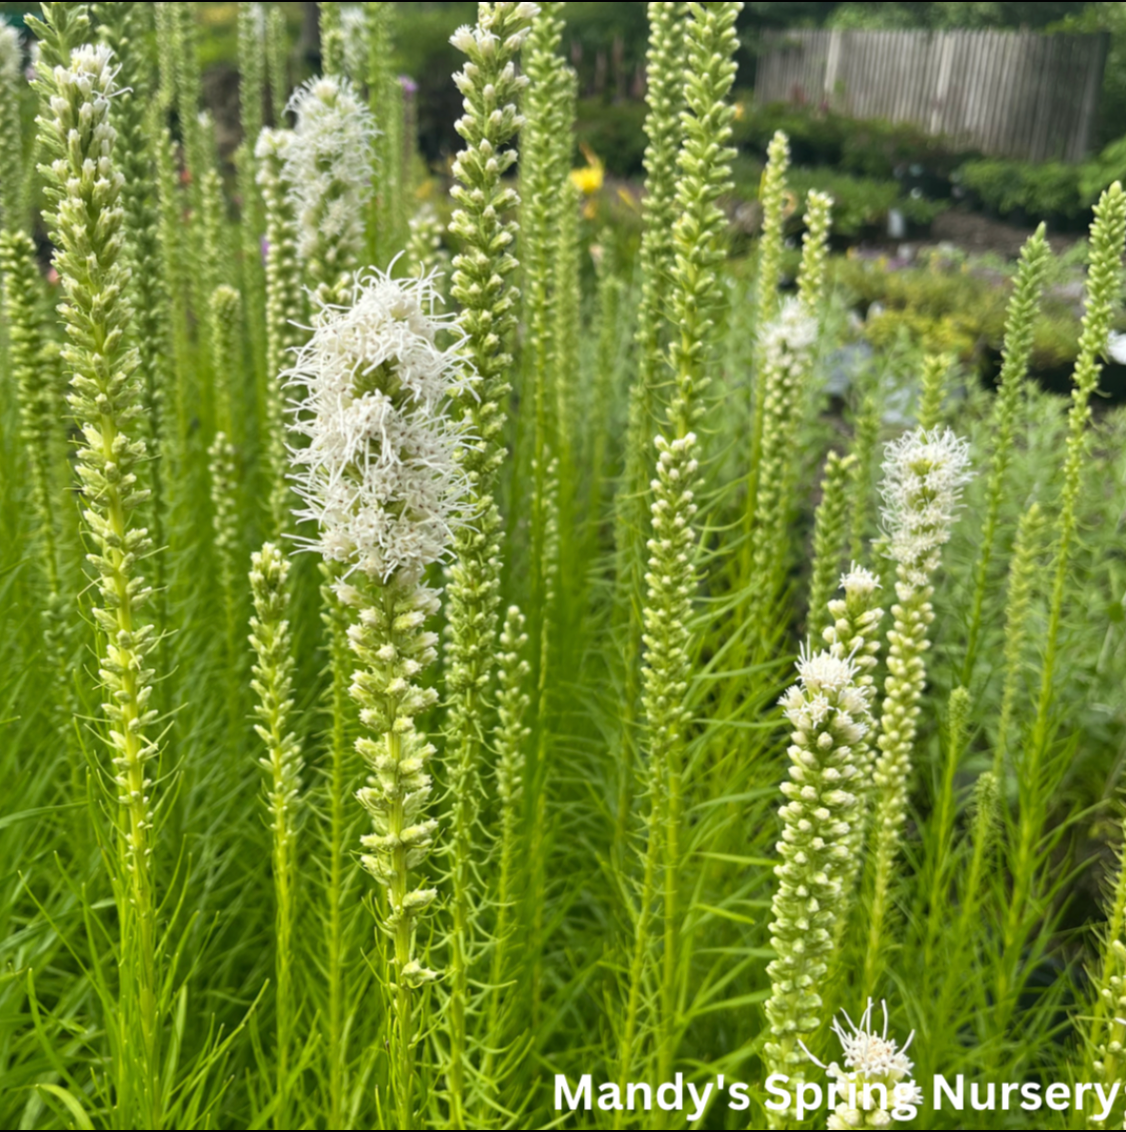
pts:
[277, 63]
[772, 239]
[771, 247]
[924, 473]
[252, 93]
[332, 38]
[490, 86]
[385, 105]
[1024, 306]
[815, 252]
[786, 351]
[284, 307]
[271, 639]
[381, 478]
[829, 537]
[544, 168]
[124, 27]
[854, 635]
[38, 399]
[12, 211]
[512, 734]
[1104, 294]
[829, 711]
[328, 166]
[664, 131]
[705, 169]
[84, 189]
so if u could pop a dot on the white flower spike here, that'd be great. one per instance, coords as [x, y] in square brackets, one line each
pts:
[381, 474]
[924, 473]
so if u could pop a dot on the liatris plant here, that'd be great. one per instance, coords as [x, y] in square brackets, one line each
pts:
[490, 86]
[332, 37]
[854, 635]
[786, 353]
[381, 477]
[328, 165]
[271, 640]
[815, 251]
[84, 189]
[828, 710]
[876, 1083]
[425, 251]
[664, 131]
[1104, 295]
[385, 104]
[829, 539]
[771, 243]
[510, 741]
[924, 473]
[277, 63]
[11, 135]
[771, 247]
[936, 371]
[1020, 329]
[705, 167]
[284, 307]
[38, 399]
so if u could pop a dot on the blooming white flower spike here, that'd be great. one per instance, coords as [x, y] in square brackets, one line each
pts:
[826, 709]
[328, 163]
[380, 474]
[924, 473]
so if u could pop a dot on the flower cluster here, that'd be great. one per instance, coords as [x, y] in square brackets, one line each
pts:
[671, 582]
[788, 340]
[924, 472]
[828, 710]
[84, 188]
[328, 163]
[786, 352]
[815, 251]
[876, 1080]
[11, 78]
[381, 474]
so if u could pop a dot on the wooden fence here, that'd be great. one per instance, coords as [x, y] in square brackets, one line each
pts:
[1008, 94]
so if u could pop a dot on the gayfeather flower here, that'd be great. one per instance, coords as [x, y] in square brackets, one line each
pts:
[328, 163]
[828, 710]
[382, 478]
[381, 474]
[876, 1080]
[11, 142]
[854, 635]
[83, 186]
[924, 473]
[787, 350]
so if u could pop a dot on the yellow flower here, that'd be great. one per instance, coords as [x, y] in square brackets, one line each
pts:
[589, 180]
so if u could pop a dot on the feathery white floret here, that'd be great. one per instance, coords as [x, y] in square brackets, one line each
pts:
[924, 473]
[875, 1069]
[10, 55]
[329, 163]
[381, 474]
[789, 338]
